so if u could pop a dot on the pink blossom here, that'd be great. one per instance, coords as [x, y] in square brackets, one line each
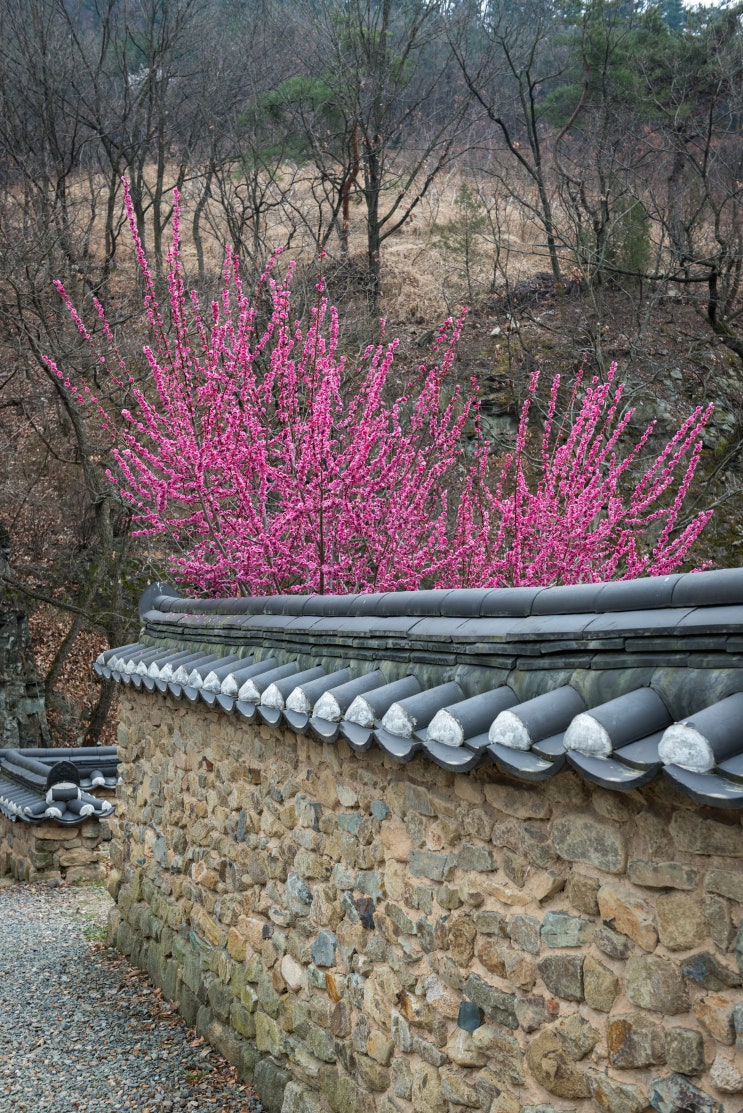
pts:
[273, 465]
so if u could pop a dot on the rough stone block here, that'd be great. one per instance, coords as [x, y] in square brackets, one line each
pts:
[600, 985]
[675, 1093]
[662, 875]
[685, 1050]
[616, 1097]
[715, 1013]
[577, 1035]
[695, 834]
[271, 1082]
[579, 838]
[681, 921]
[634, 1040]
[563, 976]
[582, 892]
[525, 932]
[457, 1090]
[553, 1068]
[656, 984]
[562, 930]
[628, 914]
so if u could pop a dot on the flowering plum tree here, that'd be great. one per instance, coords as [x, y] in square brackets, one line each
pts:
[274, 466]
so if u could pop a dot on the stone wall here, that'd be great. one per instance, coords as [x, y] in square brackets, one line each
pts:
[48, 852]
[364, 936]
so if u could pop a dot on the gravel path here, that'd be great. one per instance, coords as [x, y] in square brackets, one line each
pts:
[81, 1030]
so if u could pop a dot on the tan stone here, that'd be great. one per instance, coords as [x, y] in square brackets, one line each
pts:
[462, 1049]
[505, 1103]
[380, 1047]
[681, 921]
[505, 893]
[521, 970]
[236, 945]
[251, 930]
[582, 893]
[492, 954]
[293, 973]
[521, 803]
[78, 856]
[205, 926]
[395, 839]
[726, 1074]
[714, 1012]
[545, 884]
[462, 933]
[553, 1068]
[600, 985]
[628, 914]
[427, 1096]
[467, 789]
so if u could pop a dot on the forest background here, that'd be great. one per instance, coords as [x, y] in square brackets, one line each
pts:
[572, 171]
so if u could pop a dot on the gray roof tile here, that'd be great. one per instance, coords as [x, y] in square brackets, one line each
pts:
[626, 648]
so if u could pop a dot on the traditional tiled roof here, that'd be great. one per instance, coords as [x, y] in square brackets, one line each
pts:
[623, 681]
[38, 785]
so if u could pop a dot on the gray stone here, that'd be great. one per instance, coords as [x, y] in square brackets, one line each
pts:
[563, 976]
[343, 877]
[430, 864]
[371, 883]
[544, 1109]
[470, 1017]
[298, 895]
[705, 970]
[349, 822]
[726, 883]
[272, 1081]
[655, 983]
[579, 838]
[719, 922]
[694, 834]
[323, 949]
[428, 1052]
[739, 947]
[470, 856]
[685, 1050]
[498, 1006]
[342, 1094]
[681, 921]
[616, 1097]
[380, 811]
[634, 1040]
[611, 942]
[400, 919]
[491, 923]
[662, 875]
[525, 931]
[372, 1075]
[561, 930]
[676, 1094]
[504, 1055]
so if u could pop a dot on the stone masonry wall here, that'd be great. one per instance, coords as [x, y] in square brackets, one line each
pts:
[358, 935]
[46, 851]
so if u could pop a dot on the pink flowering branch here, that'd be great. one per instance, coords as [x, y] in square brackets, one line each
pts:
[271, 465]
